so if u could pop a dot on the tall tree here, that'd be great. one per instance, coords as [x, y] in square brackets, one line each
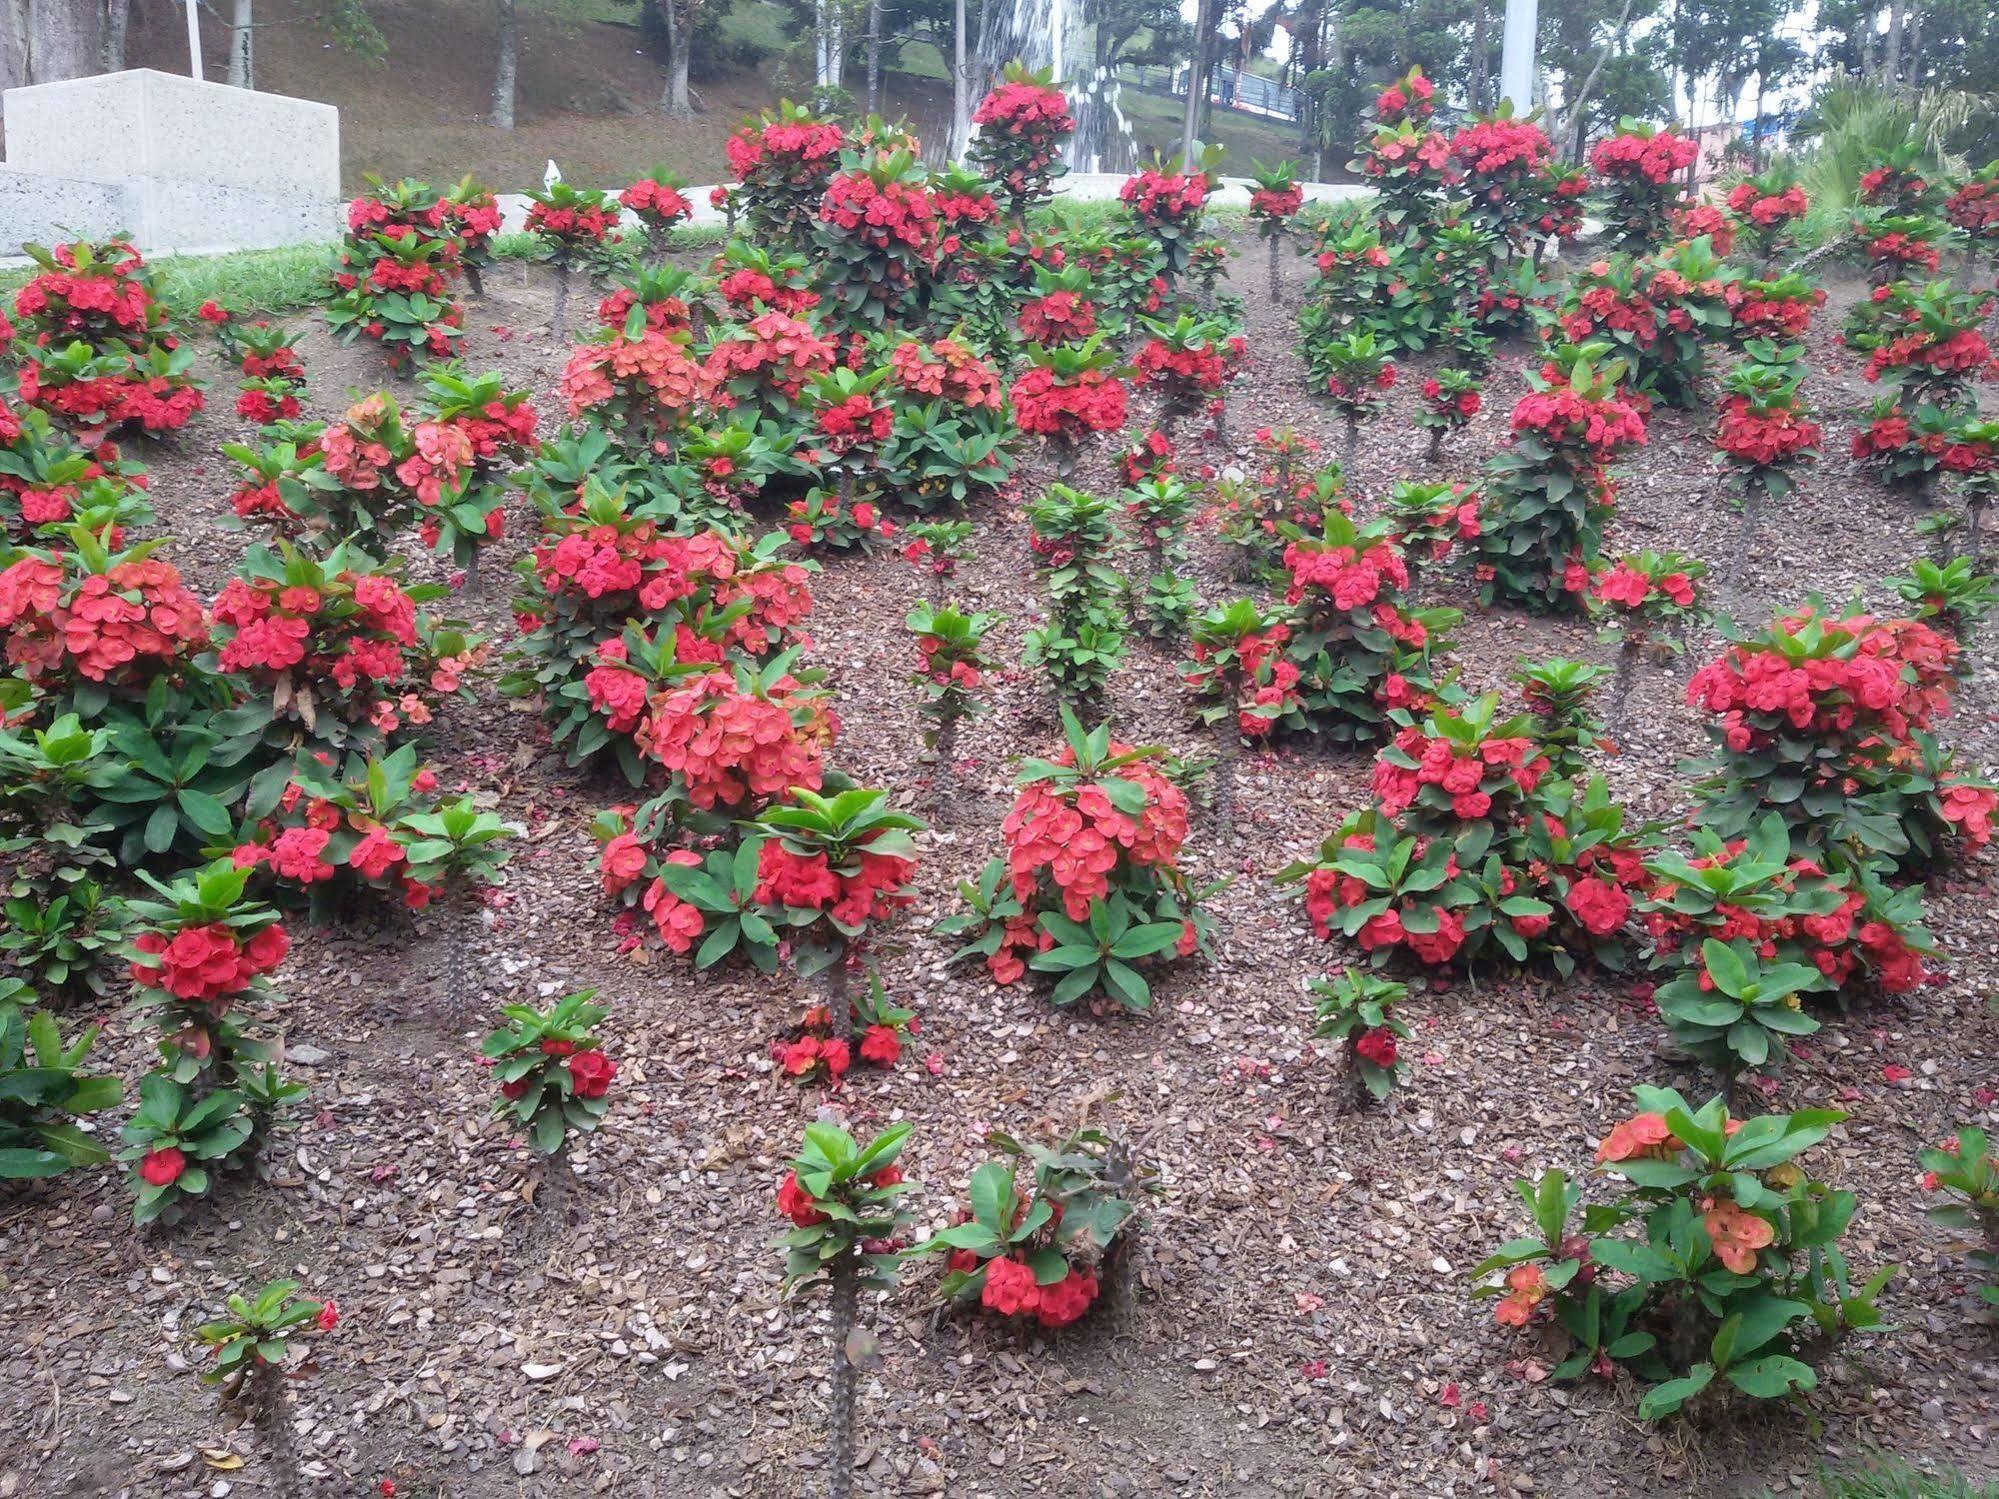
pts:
[243, 45]
[506, 66]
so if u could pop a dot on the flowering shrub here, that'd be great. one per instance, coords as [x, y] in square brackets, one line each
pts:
[1156, 513]
[815, 1051]
[1478, 840]
[178, 1143]
[1070, 392]
[1781, 306]
[1973, 207]
[1090, 885]
[951, 442]
[573, 223]
[1963, 1169]
[393, 275]
[1899, 182]
[94, 345]
[1167, 201]
[783, 160]
[256, 1335]
[1549, 492]
[1658, 313]
[1765, 430]
[1357, 1010]
[1083, 641]
[1188, 361]
[498, 425]
[877, 241]
[1954, 596]
[1429, 521]
[551, 1068]
[343, 836]
[831, 870]
[759, 368]
[1283, 483]
[1747, 929]
[1275, 197]
[1498, 161]
[1924, 341]
[734, 740]
[824, 521]
[1822, 717]
[1895, 245]
[1641, 597]
[1693, 220]
[1451, 398]
[93, 625]
[1769, 206]
[937, 547]
[1736, 1257]
[273, 376]
[48, 484]
[1636, 191]
[1238, 671]
[63, 942]
[659, 202]
[472, 214]
[335, 644]
[1023, 125]
[951, 668]
[753, 278]
[1405, 160]
[641, 385]
[1360, 653]
[1365, 283]
[1060, 310]
[604, 562]
[198, 953]
[1356, 372]
[1039, 1249]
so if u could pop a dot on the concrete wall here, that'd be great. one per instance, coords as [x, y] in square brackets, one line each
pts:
[179, 164]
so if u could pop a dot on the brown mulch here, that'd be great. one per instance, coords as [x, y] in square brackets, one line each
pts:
[1294, 1320]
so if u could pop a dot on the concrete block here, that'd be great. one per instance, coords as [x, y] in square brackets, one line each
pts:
[175, 216]
[141, 123]
[36, 208]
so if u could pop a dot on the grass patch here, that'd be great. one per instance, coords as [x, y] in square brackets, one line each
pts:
[252, 281]
[1884, 1477]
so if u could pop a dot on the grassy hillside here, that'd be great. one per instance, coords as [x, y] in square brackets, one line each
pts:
[588, 89]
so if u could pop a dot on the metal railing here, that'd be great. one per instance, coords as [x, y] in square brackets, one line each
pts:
[1229, 87]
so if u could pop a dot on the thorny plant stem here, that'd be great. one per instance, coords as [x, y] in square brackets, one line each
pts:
[274, 1425]
[846, 1276]
[836, 997]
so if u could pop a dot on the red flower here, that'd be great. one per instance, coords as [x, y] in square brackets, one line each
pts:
[590, 1074]
[797, 1204]
[329, 1315]
[881, 1046]
[1376, 1046]
[1010, 1288]
[162, 1167]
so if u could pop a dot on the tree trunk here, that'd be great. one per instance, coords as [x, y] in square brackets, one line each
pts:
[116, 14]
[829, 43]
[1481, 56]
[1756, 139]
[1197, 75]
[1574, 107]
[58, 39]
[674, 99]
[874, 52]
[846, 1277]
[961, 85]
[506, 68]
[1891, 63]
[242, 45]
[1313, 23]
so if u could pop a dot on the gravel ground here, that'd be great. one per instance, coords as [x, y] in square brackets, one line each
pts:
[1292, 1322]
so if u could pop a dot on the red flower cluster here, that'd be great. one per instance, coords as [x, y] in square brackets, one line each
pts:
[1076, 838]
[1868, 679]
[1762, 309]
[658, 205]
[1409, 97]
[1764, 435]
[1692, 220]
[1022, 126]
[945, 369]
[1470, 779]
[882, 215]
[96, 294]
[574, 227]
[730, 746]
[122, 626]
[1189, 369]
[1278, 206]
[1046, 405]
[1767, 210]
[767, 359]
[1060, 317]
[210, 963]
[784, 149]
[1165, 198]
[1459, 407]
[1011, 1289]
[1651, 158]
[1563, 417]
[1501, 148]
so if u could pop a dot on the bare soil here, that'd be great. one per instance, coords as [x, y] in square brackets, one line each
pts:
[1294, 1318]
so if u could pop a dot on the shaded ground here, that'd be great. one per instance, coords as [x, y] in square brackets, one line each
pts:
[1294, 1319]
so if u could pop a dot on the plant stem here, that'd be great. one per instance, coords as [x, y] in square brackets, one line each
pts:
[945, 747]
[1752, 500]
[476, 281]
[1622, 674]
[1353, 444]
[836, 997]
[1436, 444]
[273, 1425]
[558, 320]
[1276, 289]
[846, 1276]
